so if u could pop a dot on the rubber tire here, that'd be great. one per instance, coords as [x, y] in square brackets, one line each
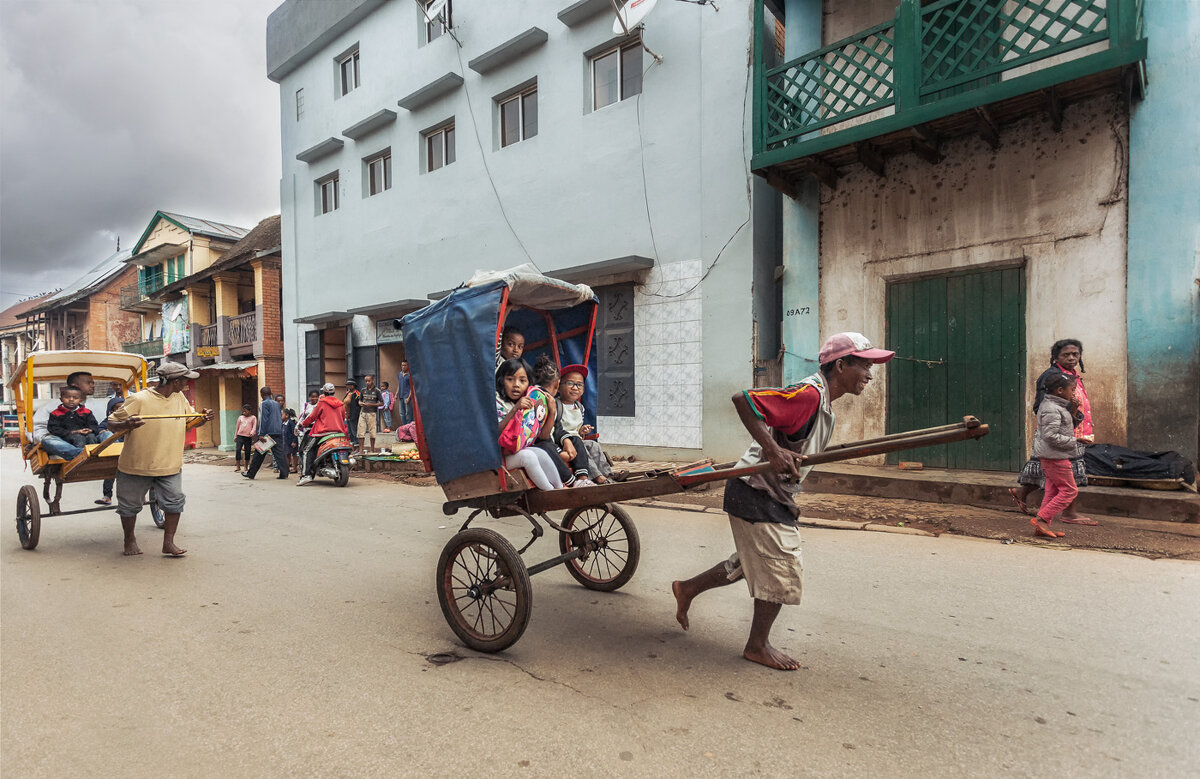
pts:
[508, 559]
[343, 475]
[29, 517]
[633, 555]
[156, 512]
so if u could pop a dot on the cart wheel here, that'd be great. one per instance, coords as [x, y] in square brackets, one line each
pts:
[29, 516]
[343, 477]
[156, 512]
[613, 564]
[483, 587]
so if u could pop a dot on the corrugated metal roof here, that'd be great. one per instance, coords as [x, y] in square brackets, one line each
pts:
[206, 227]
[86, 283]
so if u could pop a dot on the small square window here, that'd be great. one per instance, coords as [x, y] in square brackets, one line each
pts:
[299, 103]
[348, 72]
[616, 74]
[327, 194]
[518, 117]
[379, 173]
[441, 18]
[439, 147]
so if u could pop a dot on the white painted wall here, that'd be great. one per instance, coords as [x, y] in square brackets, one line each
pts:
[664, 176]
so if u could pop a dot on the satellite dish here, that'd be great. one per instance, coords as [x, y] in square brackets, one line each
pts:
[632, 14]
[434, 10]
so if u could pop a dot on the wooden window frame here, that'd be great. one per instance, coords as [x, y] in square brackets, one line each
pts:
[448, 138]
[619, 51]
[329, 182]
[382, 162]
[352, 59]
[519, 99]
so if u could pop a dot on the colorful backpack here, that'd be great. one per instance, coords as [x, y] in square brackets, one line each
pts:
[522, 430]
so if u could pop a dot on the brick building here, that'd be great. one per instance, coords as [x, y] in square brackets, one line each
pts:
[87, 313]
[234, 338]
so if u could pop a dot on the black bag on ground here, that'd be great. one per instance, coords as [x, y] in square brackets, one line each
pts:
[1117, 462]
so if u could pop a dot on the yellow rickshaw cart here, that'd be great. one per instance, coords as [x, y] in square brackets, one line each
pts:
[97, 461]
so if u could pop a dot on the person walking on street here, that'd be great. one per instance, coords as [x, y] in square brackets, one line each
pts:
[786, 424]
[1054, 446]
[404, 394]
[1066, 359]
[270, 423]
[152, 455]
[368, 421]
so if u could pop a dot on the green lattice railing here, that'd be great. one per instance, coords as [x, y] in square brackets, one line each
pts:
[841, 81]
[932, 53]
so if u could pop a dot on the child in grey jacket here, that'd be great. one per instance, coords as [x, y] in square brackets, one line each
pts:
[1054, 446]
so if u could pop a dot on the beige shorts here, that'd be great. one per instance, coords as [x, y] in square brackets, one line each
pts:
[768, 558]
[367, 424]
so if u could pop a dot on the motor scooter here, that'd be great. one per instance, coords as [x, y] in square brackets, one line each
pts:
[333, 458]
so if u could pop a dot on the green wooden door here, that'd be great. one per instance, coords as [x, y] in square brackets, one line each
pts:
[964, 335]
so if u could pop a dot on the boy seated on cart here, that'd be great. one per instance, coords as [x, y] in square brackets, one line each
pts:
[72, 421]
[52, 444]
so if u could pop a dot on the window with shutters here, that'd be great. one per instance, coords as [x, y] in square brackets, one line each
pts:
[615, 351]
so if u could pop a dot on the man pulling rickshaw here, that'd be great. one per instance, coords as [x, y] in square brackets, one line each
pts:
[154, 422]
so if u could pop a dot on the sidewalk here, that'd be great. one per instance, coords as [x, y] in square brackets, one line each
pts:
[1147, 537]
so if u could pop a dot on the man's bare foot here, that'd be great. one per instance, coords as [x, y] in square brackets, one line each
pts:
[131, 548]
[682, 604]
[170, 549]
[771, 658]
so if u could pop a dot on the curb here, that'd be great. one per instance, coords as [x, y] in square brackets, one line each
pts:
[829, 524]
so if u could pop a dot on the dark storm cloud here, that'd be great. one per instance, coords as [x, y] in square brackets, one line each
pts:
[113, 109]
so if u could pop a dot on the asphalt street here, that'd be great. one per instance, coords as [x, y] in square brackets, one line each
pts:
[294, 640]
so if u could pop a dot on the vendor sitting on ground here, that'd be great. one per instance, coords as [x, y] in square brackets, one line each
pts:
[328, 416]
[73, 422]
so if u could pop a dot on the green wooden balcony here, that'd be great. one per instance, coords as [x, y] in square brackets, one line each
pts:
[153, 348]
[935, 71]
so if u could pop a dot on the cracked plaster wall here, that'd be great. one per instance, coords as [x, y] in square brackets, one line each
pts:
[1054, 202]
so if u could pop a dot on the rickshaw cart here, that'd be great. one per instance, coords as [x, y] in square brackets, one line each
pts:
[97, 461]
[482, 582]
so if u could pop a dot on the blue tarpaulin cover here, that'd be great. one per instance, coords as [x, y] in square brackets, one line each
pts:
[451, 350]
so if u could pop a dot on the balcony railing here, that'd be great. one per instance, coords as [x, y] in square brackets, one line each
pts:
[75, 339]
[152, 348]
[932, 61]
[243, 329]
[207, 336]
[135, 294]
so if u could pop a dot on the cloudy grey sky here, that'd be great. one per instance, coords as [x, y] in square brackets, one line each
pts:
[111, 110]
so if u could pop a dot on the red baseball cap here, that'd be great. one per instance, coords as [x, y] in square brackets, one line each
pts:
[851, 344]
[580, 369]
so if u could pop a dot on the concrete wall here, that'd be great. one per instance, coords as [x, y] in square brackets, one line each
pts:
[1164, 238]
[663, 177]
[1052, 201]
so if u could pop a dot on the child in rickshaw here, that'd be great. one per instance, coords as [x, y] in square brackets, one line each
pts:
[545, 375]
[72, 421]
[511, 346]
[512, 385]
[569, 429]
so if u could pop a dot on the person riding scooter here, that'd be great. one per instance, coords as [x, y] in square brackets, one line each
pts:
[328, 416]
